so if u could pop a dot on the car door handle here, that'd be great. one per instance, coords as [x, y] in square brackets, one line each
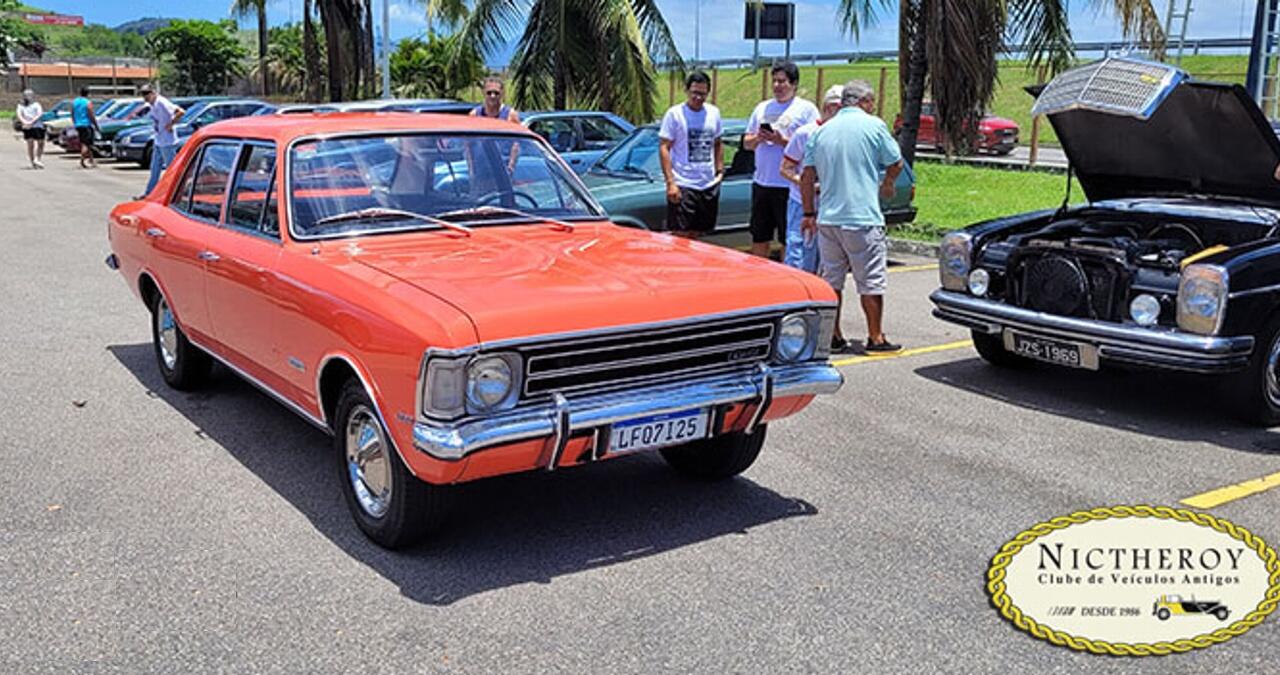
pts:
[155, 232]
[209, 256]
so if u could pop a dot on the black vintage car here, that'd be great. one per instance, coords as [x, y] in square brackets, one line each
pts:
[1173, 264]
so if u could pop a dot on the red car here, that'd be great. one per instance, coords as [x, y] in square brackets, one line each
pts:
[995, 134]
[446, 318]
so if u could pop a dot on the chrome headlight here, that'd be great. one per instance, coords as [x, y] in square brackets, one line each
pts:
[795, 337]
[979, 282]
[954, 260]
[493, 382]
[1145, 310]
[1202, 299]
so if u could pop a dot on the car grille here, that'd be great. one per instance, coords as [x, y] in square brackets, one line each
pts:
[1069, 285]
[609, 361]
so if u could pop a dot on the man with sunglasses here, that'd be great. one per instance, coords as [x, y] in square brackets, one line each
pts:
[493, 105]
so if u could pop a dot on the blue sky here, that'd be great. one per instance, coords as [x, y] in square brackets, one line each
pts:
[721, 21]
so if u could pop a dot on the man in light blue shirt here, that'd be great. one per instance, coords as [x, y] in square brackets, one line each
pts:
[857, 162]
[164, 114]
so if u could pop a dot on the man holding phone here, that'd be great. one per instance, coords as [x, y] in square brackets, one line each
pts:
[772, 124]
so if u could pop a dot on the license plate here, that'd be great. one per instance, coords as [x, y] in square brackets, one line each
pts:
[658, 431]
[1069, 354]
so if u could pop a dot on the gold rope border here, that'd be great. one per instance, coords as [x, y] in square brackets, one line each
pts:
[996, 585]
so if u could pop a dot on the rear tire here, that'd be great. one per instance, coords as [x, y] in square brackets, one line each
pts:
[991, 349]
[1255, 391]
[183, 365]
[389, 504]
[716, 458]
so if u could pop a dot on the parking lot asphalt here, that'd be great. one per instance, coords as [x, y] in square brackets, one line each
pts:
[148, 530]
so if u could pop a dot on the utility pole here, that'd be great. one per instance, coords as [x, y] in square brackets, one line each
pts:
[697, 31]
[386, 49]
[755, 60]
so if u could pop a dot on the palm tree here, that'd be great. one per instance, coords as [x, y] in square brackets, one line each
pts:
[952, 46]
[593, 52]
[245, 8]
[346, 44]
[311, 52]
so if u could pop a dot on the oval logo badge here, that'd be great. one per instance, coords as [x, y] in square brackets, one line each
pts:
[1135, 580]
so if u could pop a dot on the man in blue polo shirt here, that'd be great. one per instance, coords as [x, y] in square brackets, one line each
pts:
[857, 162]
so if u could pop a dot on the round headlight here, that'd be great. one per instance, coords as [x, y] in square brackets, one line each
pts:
[1145, 310]
[979, 282]
[794, 338]
[489, 382]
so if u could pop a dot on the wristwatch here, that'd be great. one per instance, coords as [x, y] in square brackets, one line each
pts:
[810, 214]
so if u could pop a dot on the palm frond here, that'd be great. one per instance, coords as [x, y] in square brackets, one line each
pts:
[1139, 21]
[858, 14]
[1044, 27]
[963, 39]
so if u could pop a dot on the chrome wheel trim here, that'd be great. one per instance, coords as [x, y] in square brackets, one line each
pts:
[166, 334]
[368, 461]
[1273, 373]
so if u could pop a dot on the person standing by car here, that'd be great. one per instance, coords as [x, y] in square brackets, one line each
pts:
[29, 113]
[164, 114]
[802, 250]
[848, 155]
[86, 124]
[771, 125]
[692, 158]
[493, 105]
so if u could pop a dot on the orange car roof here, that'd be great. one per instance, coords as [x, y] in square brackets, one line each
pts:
[285, 128]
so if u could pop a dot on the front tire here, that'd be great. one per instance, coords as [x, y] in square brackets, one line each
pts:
[1255, 391]
[991, 349]
[389, 504]
[1162, 614]
[183, 365]
[716, 458]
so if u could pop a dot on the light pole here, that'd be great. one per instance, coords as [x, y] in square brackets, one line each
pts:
[386, 49]
[697, 31]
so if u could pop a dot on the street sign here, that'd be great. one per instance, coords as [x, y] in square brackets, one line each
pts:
[777, 21]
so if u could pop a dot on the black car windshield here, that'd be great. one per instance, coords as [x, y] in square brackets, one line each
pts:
[354, 185]
[636, 154]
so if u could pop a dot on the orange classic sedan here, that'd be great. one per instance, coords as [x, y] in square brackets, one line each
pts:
[443, 296]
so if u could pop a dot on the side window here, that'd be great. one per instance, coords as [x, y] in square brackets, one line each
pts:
[598, 133]
[558, 132]
[182, 198]
[253, 182]
[210, 187]
[738, 161]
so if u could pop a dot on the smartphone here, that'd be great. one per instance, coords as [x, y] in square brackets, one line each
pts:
[766, 126]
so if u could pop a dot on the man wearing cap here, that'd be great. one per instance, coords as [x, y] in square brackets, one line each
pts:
[802, 251]
[164, 114]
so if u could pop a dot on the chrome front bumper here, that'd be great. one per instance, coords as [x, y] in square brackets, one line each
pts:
[1162, 348]
[558, 419]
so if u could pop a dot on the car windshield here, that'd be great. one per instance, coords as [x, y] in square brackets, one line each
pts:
[121, 109]
[637, 154]
[353, 185]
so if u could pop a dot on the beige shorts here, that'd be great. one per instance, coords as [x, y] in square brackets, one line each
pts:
[863, 252]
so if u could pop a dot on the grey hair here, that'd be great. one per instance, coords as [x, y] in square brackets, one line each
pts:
[855, 92]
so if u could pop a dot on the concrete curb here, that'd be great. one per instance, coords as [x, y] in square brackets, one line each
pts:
[1001, 163]
[910, 247]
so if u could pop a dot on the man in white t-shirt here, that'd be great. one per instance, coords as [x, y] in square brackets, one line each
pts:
[692, 160]
[164, 114]
[802, 250]
[772, 124]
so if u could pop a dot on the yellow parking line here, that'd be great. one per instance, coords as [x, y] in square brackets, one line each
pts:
[1231, 493]
[961, 344]
[914, 268]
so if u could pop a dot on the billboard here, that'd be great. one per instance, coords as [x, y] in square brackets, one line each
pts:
[54, 19]
[777, 21]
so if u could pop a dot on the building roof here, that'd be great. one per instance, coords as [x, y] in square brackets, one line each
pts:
[85, 71]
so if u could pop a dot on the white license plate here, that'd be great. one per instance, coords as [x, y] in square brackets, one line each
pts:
[658, 431]
[1069, 354]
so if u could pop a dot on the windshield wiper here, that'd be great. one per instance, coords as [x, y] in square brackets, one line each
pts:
[379, 212]
[503, 211]
[631, 168]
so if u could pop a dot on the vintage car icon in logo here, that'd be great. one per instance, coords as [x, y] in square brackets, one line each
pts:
[1168, 605]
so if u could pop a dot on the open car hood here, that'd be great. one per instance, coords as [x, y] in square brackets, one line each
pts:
[1133, 128]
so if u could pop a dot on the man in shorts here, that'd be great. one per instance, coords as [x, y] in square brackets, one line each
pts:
[849, 154]
[772, 124]
[802, 249]
[86, 124]
[692, 156]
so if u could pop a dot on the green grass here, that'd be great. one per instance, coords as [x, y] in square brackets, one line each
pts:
[738, 91]
[952, 196]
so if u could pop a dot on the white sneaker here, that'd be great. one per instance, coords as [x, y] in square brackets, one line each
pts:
[38, 164]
